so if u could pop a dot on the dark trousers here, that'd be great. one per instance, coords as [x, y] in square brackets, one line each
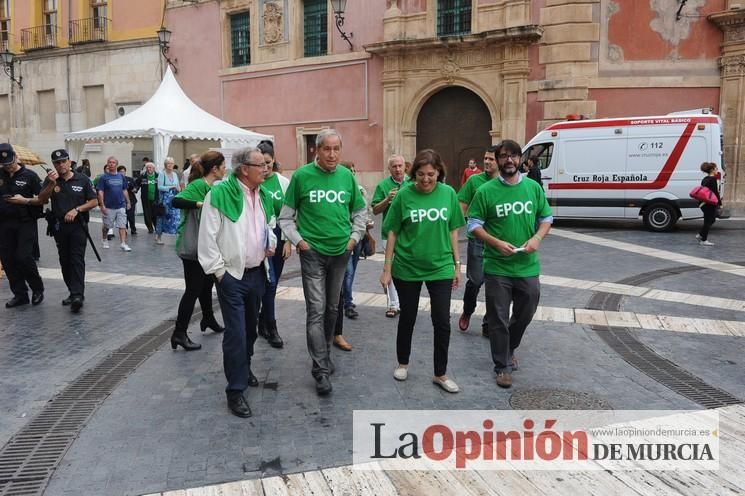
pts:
[710, 216]
[239, 301]
[198, 286]
[131, 219]
[277, 265]
[322, 280]
[474, 275]
[439, 296]
[71, 244]
[16, 253]
[505, 331]
[339, 328]
[147, 213]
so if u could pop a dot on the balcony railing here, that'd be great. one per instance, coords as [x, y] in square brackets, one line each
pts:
[90, 30]
[39, 37]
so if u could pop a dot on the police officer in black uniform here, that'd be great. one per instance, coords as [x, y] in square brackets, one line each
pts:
[18, 228]
[72, 197]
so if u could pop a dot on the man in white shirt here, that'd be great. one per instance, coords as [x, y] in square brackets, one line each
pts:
[235, 236]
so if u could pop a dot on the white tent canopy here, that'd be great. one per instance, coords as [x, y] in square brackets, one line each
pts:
[169, 114]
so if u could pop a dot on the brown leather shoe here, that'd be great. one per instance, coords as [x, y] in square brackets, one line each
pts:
[342, 343]
[504, 379]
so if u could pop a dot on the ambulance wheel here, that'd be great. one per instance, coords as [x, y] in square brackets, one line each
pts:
[660, 217]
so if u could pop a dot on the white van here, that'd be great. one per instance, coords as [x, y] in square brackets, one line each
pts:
[629, 167]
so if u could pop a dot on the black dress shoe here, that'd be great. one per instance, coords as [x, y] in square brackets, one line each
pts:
[351, 313]
[323, 385]
[273, 336]
[37, 298]
[252, 380]
[76, 304]
[184, 341]
[238, 405]
[16, 301]
[66, 302]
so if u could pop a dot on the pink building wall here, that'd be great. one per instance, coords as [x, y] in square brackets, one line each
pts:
[344, 94]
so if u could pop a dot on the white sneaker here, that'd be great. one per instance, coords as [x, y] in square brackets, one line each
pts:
[105, 244]
[706, 243]
[401, 373]
[125, 247]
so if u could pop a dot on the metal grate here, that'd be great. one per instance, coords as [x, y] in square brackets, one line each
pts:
[315, 28]
[240, 39]
[29, 459]
[453, 17]
[624, 342]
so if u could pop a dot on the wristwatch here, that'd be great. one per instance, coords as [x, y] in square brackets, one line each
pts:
[77, 209]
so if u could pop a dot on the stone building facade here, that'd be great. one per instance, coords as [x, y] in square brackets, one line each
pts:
[418, 75]
[82, 63]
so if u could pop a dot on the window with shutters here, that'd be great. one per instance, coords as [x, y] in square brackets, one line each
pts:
[4, 24]
[453, 17]
[315, 28]
[240, 39]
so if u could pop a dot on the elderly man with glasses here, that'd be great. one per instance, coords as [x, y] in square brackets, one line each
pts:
[235, 237]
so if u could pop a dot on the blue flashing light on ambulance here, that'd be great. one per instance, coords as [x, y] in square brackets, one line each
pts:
[627, 168]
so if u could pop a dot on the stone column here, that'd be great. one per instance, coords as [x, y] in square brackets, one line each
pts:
[732, 103]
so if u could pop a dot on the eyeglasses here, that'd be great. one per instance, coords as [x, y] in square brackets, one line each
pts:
[505, 156]
[262, 165]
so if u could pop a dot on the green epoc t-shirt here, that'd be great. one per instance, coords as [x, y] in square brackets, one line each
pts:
[468, 191]
[274, 188]
[422, 223]
[323, 202]
[510, 213]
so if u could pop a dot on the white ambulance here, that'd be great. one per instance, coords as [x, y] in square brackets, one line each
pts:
[629, 167]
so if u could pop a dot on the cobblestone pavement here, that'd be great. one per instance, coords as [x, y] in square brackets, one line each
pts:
[167, 426]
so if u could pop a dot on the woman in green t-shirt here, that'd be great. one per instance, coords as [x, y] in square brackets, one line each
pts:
[422, 224]
[204, 173]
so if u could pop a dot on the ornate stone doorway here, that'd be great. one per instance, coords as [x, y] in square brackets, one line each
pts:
[456, 123]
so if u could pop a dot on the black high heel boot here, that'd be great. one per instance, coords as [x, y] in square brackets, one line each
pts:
[209, 321]
[182, 339]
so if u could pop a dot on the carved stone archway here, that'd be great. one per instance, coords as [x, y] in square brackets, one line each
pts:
[493, 64]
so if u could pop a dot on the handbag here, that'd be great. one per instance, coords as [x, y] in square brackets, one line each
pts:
[368, 245]
[159, 209]
[187, 248]
[704, 194]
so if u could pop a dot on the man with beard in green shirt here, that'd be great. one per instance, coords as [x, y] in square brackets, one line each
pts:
[511, 216]
[324, 216]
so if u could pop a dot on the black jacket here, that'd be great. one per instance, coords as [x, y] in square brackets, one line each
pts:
[144, 187]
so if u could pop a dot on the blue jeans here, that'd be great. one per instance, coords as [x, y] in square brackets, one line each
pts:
[349, 276]
[239, 302]
[322, 280]
[276, 265]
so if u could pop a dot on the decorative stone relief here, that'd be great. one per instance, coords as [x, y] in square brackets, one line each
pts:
[273, 23]
[735, 34]
[449, 68]
[733, 65]
[615, 53]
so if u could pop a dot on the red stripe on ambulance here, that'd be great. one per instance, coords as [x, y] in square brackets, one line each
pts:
[667, 170]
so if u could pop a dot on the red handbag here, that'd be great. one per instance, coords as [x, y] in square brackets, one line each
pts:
[704, 194]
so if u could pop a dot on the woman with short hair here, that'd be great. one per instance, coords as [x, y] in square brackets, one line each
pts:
[709, 211]
[422, 248]
[168, 187]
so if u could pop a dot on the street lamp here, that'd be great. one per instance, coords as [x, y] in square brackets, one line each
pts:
[164, 40]
[339, 7]
[8, 59]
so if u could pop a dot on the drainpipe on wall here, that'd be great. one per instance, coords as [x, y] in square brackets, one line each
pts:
[67, 63]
